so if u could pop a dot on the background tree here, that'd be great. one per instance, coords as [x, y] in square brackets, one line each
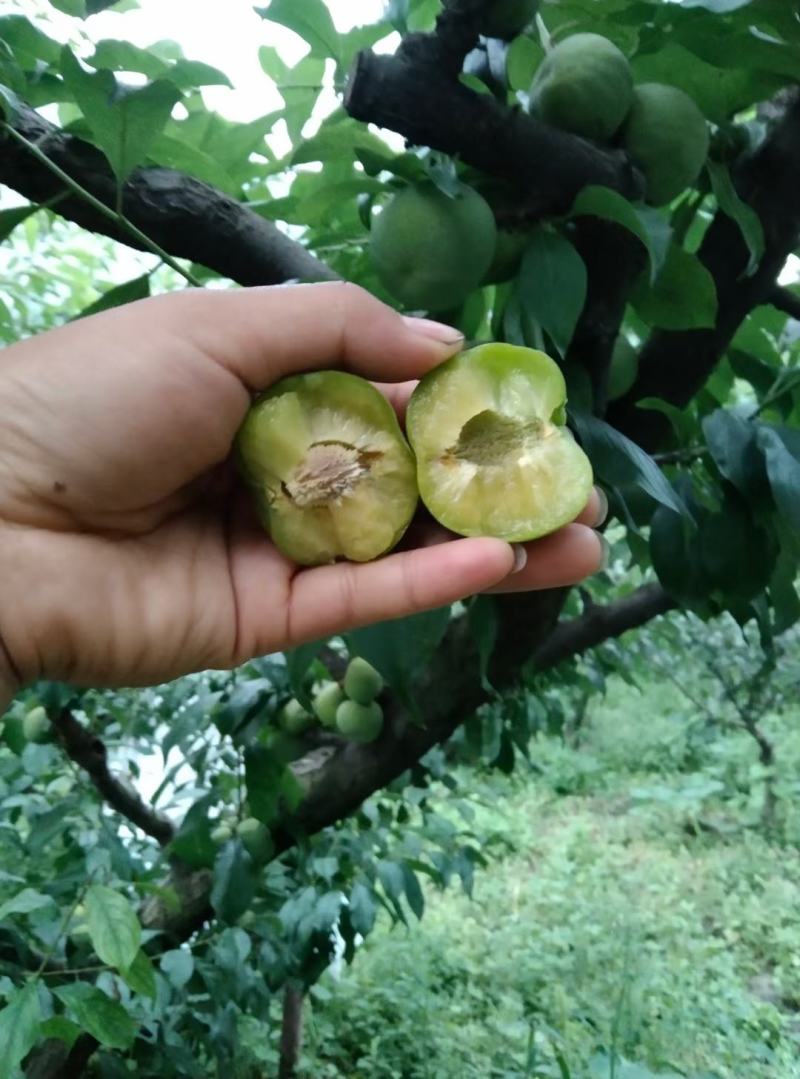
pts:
[143, 927]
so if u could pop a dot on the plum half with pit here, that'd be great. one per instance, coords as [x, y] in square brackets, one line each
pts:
[494, 455]
[332, 474]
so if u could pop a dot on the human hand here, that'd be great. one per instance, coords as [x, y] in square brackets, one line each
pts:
[128, 552]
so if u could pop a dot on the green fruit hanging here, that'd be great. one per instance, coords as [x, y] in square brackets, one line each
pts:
[430, 250]
[295, 719]
[256, 839]
[326, 701]
[332, 474]
[494, 457]
[359, 722]
[362, 683]
[667, 136]
[583, 85]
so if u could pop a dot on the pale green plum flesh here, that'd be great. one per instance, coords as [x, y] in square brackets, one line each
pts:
[332, 473]
[494, 457]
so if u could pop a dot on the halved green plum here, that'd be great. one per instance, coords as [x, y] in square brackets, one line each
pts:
[333, 475]
[494, 457]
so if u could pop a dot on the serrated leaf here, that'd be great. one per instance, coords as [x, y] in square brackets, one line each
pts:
[192, 842]
[141, 976]
[734, 446]
[682, 297]
[25, 902]
[234, 882]
[9, 219]
[99, 1015]
[552, 285]
[362, 909]
[619, 462]
[649, 226]
[114, 928]
[124, 122]
[414, 895]
[735, 207]
[138, 288]
[19, 1029]
[310, 19]
[783, 470]
[177, 966]
[76, 8]
[483, 624]
[298, 661]
[263, 771]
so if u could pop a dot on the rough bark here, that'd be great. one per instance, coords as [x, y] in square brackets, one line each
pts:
[186, 217]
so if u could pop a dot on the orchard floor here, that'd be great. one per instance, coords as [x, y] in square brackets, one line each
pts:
[641, 926]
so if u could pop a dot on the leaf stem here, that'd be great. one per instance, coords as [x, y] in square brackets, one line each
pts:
[113, 215]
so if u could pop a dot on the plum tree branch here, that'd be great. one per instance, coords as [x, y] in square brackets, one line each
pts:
[186, 217]
[89, 753]
[600, 623]
[416, 93]
[785, 300]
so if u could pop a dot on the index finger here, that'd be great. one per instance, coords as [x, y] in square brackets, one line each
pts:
[263, 334]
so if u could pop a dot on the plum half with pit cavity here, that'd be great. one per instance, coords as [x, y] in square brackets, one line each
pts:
[494, 455]
[332, 474]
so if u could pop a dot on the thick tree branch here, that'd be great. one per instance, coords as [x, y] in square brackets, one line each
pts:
[600, 623]
[675, 365]
[89, 753]
[415, 93]
[186, 217]
[785, 300]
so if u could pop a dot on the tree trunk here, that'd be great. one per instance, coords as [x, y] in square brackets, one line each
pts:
[291, 1032]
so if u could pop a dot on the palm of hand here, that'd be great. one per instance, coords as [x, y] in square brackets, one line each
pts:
[127, 554]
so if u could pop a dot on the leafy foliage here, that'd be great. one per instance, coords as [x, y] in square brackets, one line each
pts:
[172, 957]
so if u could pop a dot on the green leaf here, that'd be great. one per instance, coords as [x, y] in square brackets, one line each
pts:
[99, 1015]
[25, 902]
[124, 122]
[27, 42]
[736, 208]
[234, 882]
[734, 447]
[683, 296]
[141, 976]
[783, 470]
[263, 771]
[362, 909]
[193, 843]
[298, 661]
[138, 288]
[649, 226]
[177, 966]
[619, 462]
[673, 551]
[76, 8]
[60, 1028]
[310, 19]
[19, 1029]
[9, 219]
[552, 284]
[10, 104]
[483, 625]
[114, 928]
[414, 896]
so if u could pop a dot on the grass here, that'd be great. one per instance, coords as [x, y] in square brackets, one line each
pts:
[642, 927]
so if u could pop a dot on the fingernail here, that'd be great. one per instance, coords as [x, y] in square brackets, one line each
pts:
[435, 331]
[602, 512]
[605, 549]
[520, 557]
